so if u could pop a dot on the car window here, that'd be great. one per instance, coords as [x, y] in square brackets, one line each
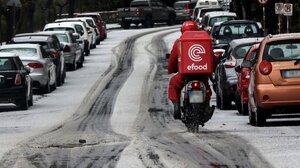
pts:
[90, 22]
[63, 38]
[139, 4]
[282, 50]
[79, 29]
[44, 53]
[239, 52]
[214, 20]
[22, 52]
[180, 6]
[238, 30]
[6, 64]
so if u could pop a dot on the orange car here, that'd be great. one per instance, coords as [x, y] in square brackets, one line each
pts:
[275, 79]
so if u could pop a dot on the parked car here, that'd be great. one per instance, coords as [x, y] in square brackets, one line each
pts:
[51, 44]
[207, 4]
[183, 11]
[15, 82]
[42, 68]
[79, 28]
[225, 82]
[99, 22]
[198, 14]
[243, 75]
[275, 78]
[72, 51]
[210, 18]
[146, 12]
[235, 29]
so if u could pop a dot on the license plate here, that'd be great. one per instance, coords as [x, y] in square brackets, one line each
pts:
[128, 18]
[196, 97]
[291, 74]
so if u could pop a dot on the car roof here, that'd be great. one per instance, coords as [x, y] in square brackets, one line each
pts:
[182, 2]
[88, 13]
[7, 54]
[29, 45]
[220, 13]
[60, 24]
[238, 21]
[237, 42]
[283, 36]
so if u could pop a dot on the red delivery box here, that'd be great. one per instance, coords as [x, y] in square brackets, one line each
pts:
[195, 53]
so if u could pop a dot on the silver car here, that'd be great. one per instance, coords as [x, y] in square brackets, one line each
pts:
[72, 51]
[40, 62]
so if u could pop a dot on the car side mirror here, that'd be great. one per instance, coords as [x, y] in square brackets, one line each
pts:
[76, 35]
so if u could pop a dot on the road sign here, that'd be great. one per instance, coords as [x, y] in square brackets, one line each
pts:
[288, 9]
[279, 8]
[262, 2]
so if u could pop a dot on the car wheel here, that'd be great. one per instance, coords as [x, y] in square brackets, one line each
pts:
[30, 102]
[260, 116]
[225, 102]
[53, 86]
[46, 89]
[245, 110]
[80, 63]
[251, 115]
[73, 66]
[218, 100]
[148, 22]
[23, 102]
[238, 102]
[171, 20]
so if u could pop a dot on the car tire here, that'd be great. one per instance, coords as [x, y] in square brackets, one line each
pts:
[148, 22]
[238, 102]
[225, 102]
[251, 116]
[260, 116]
[218, 100]
[171, 20]
[30, 102]
[245, 109]
[73, 66]
[23, 103]
[53, 86]
[46, 89]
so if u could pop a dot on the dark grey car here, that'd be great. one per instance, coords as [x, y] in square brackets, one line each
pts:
[225, 82]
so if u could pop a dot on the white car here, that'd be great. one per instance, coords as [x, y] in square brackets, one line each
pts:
[74, 27]
[89, 24]
[41, 64]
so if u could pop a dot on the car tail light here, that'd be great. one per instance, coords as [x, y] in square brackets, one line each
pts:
[196, 85]
[138, 12]
[18, 79]
[35, 65]
[265, 67]
[67, 49]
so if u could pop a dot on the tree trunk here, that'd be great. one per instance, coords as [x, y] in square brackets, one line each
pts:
[71, 8]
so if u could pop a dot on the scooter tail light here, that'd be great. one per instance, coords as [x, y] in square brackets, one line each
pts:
[196, 85]
[18, 79]
[265, 67]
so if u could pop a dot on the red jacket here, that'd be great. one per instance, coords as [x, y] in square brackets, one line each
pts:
[173, 60]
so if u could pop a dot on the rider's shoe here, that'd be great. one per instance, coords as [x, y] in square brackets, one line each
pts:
[177, 113]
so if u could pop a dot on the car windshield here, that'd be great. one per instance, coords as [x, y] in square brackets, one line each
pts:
[239, 52]
[22, 52]
[6, 64]
[139, 4]
[220, 19]
[61, 29]
[62, 38]
[238, 30]
[282, 50]
[180, 6]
